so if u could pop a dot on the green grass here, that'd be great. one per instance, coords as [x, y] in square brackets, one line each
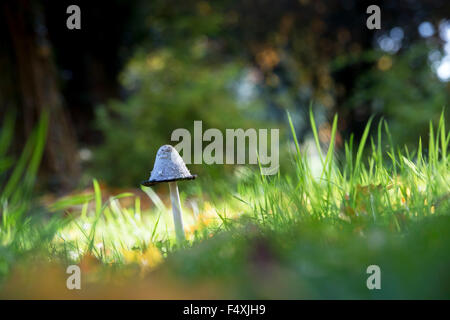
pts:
[292, 235]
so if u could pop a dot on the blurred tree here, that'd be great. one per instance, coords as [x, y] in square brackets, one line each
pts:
[65, 71]
[403, 89]
[297, 51]
[295, 43]
[38, 89]
[168, 91]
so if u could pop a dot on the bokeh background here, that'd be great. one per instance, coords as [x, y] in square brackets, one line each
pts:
[137, 70]
[97, 103]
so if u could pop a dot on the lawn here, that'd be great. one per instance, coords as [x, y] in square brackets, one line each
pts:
[304, 235]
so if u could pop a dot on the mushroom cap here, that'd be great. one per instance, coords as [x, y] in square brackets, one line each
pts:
[169, 166]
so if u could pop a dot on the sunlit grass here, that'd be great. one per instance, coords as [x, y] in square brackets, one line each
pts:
[364, 200]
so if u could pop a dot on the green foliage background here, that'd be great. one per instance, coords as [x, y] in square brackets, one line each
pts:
[407, 93]
[167, 92]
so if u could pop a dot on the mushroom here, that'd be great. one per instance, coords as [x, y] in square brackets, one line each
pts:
[170, 167]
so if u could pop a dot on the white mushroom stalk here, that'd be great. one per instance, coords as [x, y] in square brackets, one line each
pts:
[170, 167]
[176, 210]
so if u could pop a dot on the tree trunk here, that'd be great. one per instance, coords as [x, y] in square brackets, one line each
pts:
[39, 91]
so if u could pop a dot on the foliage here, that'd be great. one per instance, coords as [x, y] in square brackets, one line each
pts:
[403, 89]
[193, 63]
[167, 92]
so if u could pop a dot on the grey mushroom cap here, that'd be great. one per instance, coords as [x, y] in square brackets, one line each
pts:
[169, 166]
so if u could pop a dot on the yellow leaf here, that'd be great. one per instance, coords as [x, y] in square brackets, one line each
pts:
[149, 258]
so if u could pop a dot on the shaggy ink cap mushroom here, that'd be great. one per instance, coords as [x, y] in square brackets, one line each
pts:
[168, 167]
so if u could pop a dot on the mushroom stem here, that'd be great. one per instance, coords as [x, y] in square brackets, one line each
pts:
[176, 210]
